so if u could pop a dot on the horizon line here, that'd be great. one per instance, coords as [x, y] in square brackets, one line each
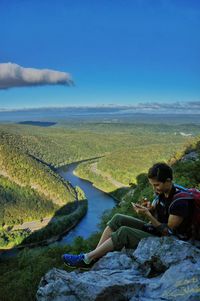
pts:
[153, 106]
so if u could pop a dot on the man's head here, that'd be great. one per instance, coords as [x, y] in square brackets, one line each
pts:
[160, 177]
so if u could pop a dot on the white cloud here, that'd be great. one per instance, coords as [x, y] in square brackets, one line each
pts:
[192, 105]
[13, 75]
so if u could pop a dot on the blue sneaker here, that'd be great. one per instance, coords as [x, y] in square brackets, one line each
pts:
[76, 261]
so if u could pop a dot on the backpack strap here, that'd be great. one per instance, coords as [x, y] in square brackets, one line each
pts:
[155, 201]
[181, 188]
[183, 194]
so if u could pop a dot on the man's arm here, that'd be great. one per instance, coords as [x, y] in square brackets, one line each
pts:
[146, 212]
[173, 221]
[166, 229]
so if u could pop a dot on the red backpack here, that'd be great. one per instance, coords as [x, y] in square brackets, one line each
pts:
[192, 194]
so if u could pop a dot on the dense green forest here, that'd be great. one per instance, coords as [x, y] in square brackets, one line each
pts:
[62, 219]
[24, 169]
[133, 155]
[31, 189]
[28, 154]
[18, 204]
[30, 265]
[124, 165]
[74, 142]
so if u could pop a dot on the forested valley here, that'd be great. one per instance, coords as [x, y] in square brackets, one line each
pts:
[30, 188]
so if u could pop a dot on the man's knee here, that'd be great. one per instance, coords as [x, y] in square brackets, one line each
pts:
[123, 238]
[117, 218]
[115, 222]
[123, 232]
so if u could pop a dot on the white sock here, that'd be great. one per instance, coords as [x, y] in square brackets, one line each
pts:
[86, 259]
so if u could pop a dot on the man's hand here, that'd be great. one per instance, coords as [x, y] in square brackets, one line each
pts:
[146, 203]
[145, 211]
[141, 209]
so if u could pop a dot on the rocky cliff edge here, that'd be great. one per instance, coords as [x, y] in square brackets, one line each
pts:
[159, 269]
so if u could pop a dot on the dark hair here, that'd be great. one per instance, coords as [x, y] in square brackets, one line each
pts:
[161, 172]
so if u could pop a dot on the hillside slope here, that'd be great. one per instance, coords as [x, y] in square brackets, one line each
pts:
[25, 170]
[31, 265]
[29, 188]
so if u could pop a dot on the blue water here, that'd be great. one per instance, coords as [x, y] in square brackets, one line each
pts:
[98, 202]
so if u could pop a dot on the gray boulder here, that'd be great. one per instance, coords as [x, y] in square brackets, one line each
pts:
[159, 269]
[192, 156]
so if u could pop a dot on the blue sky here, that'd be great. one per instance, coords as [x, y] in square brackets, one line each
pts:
[117, 51]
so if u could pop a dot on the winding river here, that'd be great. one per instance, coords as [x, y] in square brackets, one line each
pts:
[98, 202]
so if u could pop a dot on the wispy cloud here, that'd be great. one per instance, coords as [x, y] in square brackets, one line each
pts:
[160, 107]
[157, 106]
[192, 107]
[13, 75]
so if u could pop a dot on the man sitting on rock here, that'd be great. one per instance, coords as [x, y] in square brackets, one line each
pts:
[165, 218]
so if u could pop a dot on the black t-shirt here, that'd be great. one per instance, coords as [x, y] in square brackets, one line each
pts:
[182, 207]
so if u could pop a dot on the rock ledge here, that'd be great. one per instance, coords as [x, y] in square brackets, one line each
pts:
[159, 269]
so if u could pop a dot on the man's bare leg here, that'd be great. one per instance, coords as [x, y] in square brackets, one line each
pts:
[104, 248]
[106, 234]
